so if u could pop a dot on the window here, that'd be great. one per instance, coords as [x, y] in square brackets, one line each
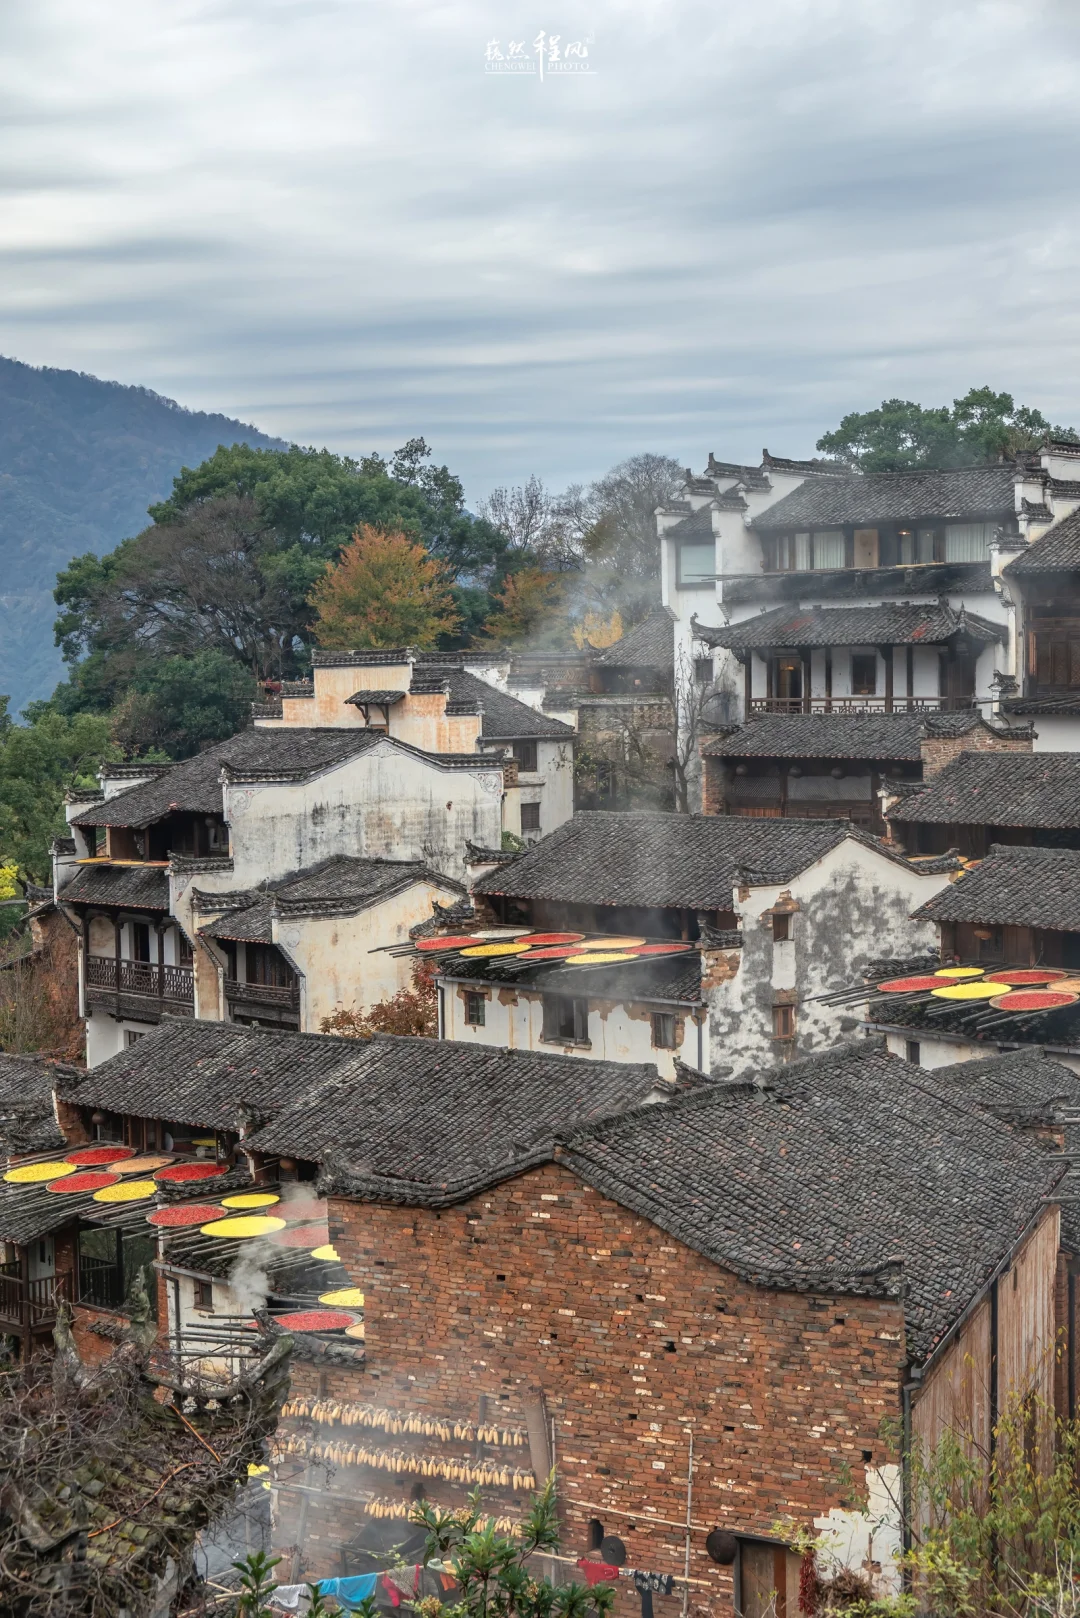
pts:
[525, 753]
[781, 929]
[475, 1009]
[864, 674]
[802, 553]
[132, 1036]
[967, 541]
[696, 565]
[703, 671]
[217, 837]
[829, 548]
[566, 1019]
[663, 1030]
[204, 1295]
[915, 546]
[912, 1053]
[265, 966]
[990, 943]
[530, 817]
[185, 953]
[140, 941]
[783, 1022]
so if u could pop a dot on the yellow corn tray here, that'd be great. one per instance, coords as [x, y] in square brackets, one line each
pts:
[37, 1173]
[968, 991]
[243, 1225]
[127, 1191]
[250, 1199]
[344, 1297]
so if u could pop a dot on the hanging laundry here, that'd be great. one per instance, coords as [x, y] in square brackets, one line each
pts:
[352, 1592]
[597, 1572]
[293, 1597]
[660, 1584]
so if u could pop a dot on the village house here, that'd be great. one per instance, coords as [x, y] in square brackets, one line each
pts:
[980, 799]
[29, 1290]
[439, 701]
[1010, 922]
[580, 1265]
[596, 1298]
[1041, 583]
[207, 1094]
[772, 914]
[821, 590]
[331, 817]
[807, 766]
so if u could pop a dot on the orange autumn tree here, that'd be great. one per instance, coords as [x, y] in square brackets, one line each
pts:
[384, 590]
[530, 601]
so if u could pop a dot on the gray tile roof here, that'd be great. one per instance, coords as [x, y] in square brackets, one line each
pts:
[697, 526]
[505, 718]
[341, 886]
[1018, 887]
[856, 584]
[884, 625]
[664, 860]
[384, 698]
[138, 887]
[839, 735]
[196, 783]
[428, 1109]
[27, 1121]
[1023, 1087]
[866, 499]
[1046, 707]
[650, 644]
[1001, 789]
[857, 1170]
[869, 736]
[1057, 551]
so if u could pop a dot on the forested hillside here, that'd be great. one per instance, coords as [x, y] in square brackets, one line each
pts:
[80, 461]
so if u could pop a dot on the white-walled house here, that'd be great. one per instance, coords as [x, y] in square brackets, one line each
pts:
[442, 703]
[773, 914]
[264, 807]
[821, 590]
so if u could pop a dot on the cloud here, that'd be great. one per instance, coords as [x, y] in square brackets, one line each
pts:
[327, 218]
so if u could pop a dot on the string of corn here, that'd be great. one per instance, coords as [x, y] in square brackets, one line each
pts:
[488, 1474]
[382, 1508]
[393, 1422]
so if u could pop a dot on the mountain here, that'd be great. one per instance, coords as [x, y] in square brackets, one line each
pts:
[80, 461]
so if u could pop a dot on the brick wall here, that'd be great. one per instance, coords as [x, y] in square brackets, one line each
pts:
[712, 786]
[937, 751]
[543, 1288]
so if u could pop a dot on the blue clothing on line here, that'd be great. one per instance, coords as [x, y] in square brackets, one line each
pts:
[350, 1592]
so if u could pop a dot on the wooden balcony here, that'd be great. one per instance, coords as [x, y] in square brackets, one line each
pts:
[856, 705]
[284, 997]
[108, 978]
[30, 1305]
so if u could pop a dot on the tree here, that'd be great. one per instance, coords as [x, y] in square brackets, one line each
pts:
[647, 754]
[39, 762]
[537, 525]
[231, 559]
[384, 591]
[530, 604]
[980, 428]
[183, 704]
[621, 508]
[413, 1012]
[492, 1571]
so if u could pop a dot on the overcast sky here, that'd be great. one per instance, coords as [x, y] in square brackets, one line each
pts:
[326, 217]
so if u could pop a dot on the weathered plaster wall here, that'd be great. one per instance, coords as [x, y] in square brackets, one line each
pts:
[935, 1050]
[334, 955]
[618, 1032]
[850, 907]
[386, 802]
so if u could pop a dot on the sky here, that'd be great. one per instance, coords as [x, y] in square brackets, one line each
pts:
[334, 219]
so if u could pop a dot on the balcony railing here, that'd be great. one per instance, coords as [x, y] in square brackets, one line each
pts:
[858, 704]
[30, 1304]
[263, 994]
[176, 983]
[100, 1282]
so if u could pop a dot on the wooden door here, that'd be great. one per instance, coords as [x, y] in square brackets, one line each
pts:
[768, 1581]
[866, 547]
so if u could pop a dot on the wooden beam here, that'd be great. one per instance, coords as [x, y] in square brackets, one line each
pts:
[888, 653]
